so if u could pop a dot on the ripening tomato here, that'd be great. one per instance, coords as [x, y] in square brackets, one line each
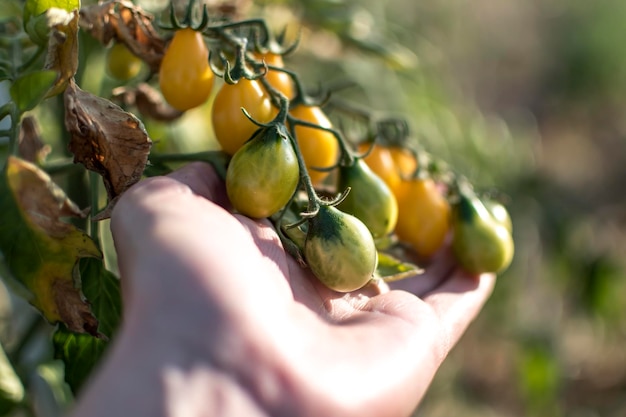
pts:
[423, 215]
[369, 199]
[392, 164]
[340, 250]
[263, 174]
[231, 126]
[277, 79]
[480, 243]
[404, 160]
[185, 78]
[381, 162]
[499, 213]
[122, 63]
[319, 147]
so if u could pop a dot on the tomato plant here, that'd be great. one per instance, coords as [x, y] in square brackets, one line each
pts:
[122, 63]
[319, 148]
[480, 242]
[263, 174]
[231, 126]
[185, 77]
[423, 215]
[340, 250]
[369, 199]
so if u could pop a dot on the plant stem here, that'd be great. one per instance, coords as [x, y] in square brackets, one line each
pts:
[94, 189]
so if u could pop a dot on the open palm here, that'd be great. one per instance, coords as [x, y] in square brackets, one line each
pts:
[221, 298]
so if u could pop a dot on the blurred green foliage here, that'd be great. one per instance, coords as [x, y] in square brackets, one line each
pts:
[527, 98]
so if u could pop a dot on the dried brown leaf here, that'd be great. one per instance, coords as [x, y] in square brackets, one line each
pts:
[31, 147]
[106, 139]
[125, 22]
[45, 249]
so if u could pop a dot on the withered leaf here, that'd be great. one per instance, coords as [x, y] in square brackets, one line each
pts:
[62, 55]
[124, 22]
[31, 147]
[148, 101]
[106, 140]
[40, 249]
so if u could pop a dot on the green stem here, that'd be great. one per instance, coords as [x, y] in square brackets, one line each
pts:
[94, 189]
[61, 166]
[314, 200]
[31, 331]
[14, 131]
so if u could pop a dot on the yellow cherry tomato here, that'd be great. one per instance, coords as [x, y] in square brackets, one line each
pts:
[423, 215]
[319, 147]
[185, 78]
[381, 162]
[405, 161]
[231, 126]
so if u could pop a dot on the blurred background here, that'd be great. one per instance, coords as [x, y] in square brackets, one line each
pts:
[527, 97]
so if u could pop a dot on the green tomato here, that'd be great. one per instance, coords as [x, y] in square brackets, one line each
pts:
[480, 243]
[263, 174]
[369, 199]
[122, 63]
[340, 250]
[499, 213]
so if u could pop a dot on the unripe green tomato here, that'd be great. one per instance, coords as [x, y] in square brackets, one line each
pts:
[369, 199]
[340, 250]
[122, 63]
[263, 174]
[499, 213]
[480, 243]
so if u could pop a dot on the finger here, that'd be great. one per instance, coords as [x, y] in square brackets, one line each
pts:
[203, 180]
[458, 301]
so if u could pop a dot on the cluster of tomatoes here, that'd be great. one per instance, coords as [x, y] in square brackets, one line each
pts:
[286, 154]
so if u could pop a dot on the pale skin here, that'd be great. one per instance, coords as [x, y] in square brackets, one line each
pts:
[220, 321]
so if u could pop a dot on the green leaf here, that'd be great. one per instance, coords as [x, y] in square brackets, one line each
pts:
[11, 388]
[34, 11]
[82, 352]
[28, 90]
[40, 250]
[390, 269]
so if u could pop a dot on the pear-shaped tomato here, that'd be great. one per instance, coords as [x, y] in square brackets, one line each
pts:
[480, 243]
[340, 250]
[319, 147]
[185, 77]
[423, 215]
[499, 213]
[263, 175]
[369, 199]
[231, 126]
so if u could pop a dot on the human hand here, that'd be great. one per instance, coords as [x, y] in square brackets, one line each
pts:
[219, 320]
